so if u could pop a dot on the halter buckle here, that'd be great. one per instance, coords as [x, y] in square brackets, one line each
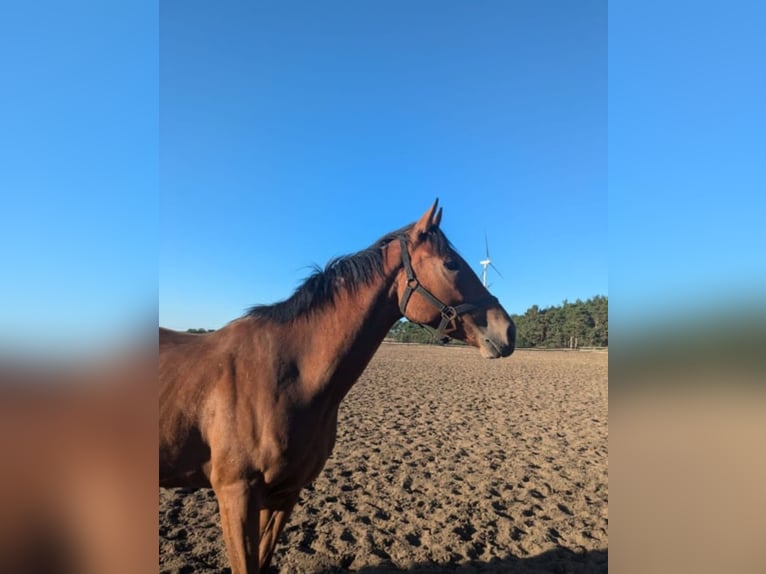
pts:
[413, 283]
[449, 313]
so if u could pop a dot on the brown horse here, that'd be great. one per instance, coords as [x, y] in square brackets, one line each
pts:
[252, 409]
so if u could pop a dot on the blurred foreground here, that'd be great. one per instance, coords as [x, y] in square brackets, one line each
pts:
[78, 486]
[687, 436]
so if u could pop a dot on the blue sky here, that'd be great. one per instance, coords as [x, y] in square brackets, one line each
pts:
[686, 160]
[222, 152]
[78, 172]
[289, 136]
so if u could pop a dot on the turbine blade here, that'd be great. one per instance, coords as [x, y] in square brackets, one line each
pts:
[496, 270]
[486, 244]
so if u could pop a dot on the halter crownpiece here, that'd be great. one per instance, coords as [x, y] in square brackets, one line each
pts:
[449, 313]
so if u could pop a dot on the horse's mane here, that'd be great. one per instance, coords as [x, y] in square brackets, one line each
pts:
[348, 272]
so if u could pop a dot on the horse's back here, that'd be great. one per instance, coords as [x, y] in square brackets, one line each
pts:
[170, 337]
[181, 361]
[183, 375]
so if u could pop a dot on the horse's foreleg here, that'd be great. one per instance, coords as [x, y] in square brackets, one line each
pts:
[272, 522]
[240, 525]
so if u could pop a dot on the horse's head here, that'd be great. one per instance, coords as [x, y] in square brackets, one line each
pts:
[436, 287]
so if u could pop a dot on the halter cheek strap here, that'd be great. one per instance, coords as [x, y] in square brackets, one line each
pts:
[449, 313]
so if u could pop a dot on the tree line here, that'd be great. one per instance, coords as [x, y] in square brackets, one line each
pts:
[580, 324]
[584, 323]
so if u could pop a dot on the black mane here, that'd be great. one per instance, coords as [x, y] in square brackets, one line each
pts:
[346, 272]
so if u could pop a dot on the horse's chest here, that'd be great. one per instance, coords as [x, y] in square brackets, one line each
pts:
[303, 452]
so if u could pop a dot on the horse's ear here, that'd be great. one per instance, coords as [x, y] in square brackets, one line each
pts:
[438, 218]
[426, 222]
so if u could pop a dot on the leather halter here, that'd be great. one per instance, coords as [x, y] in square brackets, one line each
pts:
[449, 313]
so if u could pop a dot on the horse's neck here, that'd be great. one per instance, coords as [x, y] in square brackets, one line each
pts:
[345, 336]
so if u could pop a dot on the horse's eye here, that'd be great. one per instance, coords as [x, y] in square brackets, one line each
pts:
[451, 264]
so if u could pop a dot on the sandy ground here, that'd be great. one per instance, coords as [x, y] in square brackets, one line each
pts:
[444, 462]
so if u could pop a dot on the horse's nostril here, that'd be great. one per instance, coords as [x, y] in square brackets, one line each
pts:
[494, 346]
[501, 349]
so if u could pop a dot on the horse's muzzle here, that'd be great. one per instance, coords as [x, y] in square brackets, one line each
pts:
[497, 350]
[496, 347]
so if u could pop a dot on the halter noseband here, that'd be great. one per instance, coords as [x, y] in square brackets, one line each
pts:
[448, 312]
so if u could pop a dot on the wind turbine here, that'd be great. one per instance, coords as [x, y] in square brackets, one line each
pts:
[487, 262]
